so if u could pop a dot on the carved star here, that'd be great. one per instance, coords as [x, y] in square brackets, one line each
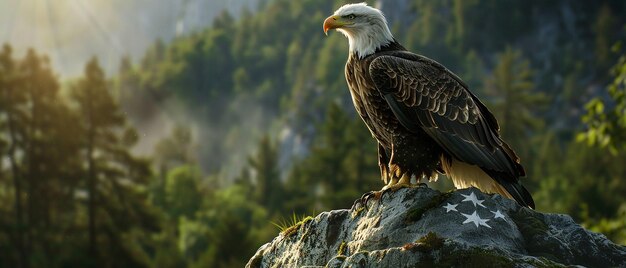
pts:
[472, 198]
[497, 214]
[449, 207]
[477, 220]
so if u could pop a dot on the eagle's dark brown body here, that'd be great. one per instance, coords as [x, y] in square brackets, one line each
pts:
[400, 150]
[425, 120]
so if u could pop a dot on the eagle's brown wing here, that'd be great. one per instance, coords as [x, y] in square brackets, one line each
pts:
[423, 94]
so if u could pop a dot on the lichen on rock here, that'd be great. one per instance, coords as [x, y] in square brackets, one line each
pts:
[426, 228]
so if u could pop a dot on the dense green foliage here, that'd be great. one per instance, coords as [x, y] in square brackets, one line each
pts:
[75, 193]
[270, 94]
[606, 119]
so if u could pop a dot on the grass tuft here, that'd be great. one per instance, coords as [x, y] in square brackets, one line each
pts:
[290, 226]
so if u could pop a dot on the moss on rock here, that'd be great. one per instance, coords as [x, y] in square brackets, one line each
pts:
[289, 231]
[415, 213]
[427, 243]
[343, 248]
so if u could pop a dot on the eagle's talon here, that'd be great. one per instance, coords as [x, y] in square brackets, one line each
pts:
[356, 205]
[394, 184]
[362, 202]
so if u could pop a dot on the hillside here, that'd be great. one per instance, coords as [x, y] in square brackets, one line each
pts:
[278, 64]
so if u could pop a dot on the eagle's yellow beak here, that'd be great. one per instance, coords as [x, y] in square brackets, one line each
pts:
[333, 22]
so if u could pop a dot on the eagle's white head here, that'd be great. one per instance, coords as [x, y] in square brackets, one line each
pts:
[364, 26]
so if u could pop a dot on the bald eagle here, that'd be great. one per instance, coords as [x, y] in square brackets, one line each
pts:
[424, 117]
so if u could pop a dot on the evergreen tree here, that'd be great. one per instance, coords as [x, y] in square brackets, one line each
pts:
[227, 231]
[171, 152]
[329, 65]
[41, 151]
[515, 99]
[603, 28]
[113, 176]
[11, 100]
[183, 195]
[49, 151]
[340, 167]
[264, 167]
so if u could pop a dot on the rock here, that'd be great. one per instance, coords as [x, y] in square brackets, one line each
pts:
[424, 227]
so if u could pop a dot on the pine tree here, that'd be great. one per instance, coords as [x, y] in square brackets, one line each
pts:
[171, 152]
[515, 99]
[340, 167]
[264, 167]
[42, 154]
[113, 175]
[183, 195]
[11, 99]
[603, 29]
[92, 97]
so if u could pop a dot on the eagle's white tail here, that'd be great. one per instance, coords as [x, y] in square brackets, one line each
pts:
[464, 175]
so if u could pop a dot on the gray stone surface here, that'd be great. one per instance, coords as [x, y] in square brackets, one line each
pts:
[412, 227]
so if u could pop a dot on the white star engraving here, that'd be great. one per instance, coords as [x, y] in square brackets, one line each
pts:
[449, 207]
[497, 214]
[474, 218]
[472, 198]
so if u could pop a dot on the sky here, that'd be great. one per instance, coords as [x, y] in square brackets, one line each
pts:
[72, 31]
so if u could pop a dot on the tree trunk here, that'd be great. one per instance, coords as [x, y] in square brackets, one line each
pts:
[17, 184]
[33, 234]
[91, 182]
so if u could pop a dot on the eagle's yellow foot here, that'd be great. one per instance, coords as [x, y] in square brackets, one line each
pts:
[395, 184]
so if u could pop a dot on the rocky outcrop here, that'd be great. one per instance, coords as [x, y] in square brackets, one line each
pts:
[426, 228]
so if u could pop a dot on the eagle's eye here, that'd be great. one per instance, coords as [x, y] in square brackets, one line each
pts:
[351, 16]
